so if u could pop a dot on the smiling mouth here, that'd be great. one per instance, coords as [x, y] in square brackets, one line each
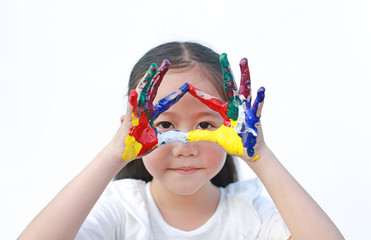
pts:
[185, 170]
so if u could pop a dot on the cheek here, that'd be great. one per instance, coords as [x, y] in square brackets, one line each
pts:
[214, 155]
[156, 160]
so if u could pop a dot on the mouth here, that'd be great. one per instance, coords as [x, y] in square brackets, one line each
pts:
[185, 170]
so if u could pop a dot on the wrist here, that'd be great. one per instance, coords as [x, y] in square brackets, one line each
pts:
[266, 161]
[261, 152]
[112, 156]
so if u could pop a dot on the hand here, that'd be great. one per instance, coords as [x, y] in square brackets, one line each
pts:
[143, 136]
[238, 131]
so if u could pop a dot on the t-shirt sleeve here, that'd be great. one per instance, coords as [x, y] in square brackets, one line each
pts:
[264, 216]
[103, 222]
[120, 213]
[272, 224]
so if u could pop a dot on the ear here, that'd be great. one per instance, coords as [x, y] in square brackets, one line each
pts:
[122, 118]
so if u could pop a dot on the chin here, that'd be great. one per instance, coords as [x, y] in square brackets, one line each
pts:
[187, 188]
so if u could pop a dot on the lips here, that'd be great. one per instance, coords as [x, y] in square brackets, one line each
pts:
[185, 170]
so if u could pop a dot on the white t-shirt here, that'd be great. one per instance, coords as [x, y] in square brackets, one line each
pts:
[128, 211]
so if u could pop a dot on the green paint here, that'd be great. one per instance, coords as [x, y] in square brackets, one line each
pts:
[232, 111]
[229, 84]
[147, 81]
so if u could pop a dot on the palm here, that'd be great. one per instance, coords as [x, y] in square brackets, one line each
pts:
[142, 137]
[238, 127]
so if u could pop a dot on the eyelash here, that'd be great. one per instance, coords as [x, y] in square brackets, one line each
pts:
[169, 124]
[161, 125]
[209, 125]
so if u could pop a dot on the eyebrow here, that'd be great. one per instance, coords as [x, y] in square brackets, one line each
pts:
[211, 113]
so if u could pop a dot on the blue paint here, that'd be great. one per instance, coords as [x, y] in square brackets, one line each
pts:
[166, 102]
[249, 133]
[259, 98]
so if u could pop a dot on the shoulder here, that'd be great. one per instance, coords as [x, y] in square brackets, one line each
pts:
[126, 187]
[129, 195]
[245, 202]
[122, 204]
[247, 189]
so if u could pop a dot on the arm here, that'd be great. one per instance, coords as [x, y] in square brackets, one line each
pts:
[64, 215]
[302, 215]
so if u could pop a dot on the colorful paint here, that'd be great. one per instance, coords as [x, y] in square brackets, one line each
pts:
[225, 136]
[230, 88]
[237, 113]
[239, 118]
[142, 137]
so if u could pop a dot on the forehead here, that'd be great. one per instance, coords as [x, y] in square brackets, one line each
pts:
[175, 78]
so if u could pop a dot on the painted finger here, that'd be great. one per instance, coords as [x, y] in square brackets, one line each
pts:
[226, 137]
[145, 83]
[155, 83]
[133, 104]
[166, 102]
[229, 83]
[171, 137]
[245, 84]
[248, 140]
[212, 102]
[258, 104]
[251, 144]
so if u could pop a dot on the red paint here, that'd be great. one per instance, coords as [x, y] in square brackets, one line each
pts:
[143, 133]
[245, 85]
[157, 79]
[133, 99]
[213, 103]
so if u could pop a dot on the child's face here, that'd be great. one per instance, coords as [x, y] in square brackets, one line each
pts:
[186, 168]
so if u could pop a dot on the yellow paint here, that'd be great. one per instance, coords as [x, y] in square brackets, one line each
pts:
[226, 137]
[233, 123]
[134, 120]
[132, 148]
[256, 157]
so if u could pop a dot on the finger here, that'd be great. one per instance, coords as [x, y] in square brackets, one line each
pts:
[155, 83]
[245, 84]
[166, 102]
[258, 104]
[212, 102]
[145, 83]
[226, 137]
[229, 83]
[172, 136]
[249, 141]
[133, 104]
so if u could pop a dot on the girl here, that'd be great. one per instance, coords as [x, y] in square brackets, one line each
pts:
[182, 183]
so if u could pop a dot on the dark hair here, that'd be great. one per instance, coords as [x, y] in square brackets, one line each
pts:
[181, 55]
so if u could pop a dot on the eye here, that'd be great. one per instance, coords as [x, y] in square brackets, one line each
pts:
[165, 125]
[205, 125]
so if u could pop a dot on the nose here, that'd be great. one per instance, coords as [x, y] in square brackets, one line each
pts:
[184, 149]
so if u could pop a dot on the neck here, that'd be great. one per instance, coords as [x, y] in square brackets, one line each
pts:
[186, 212]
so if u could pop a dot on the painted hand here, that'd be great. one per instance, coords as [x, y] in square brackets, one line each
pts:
[238, 131]
[142, 137]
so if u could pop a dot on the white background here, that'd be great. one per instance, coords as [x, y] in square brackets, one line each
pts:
[64, 67]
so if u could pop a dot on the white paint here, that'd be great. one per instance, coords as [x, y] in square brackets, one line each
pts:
[171, 137]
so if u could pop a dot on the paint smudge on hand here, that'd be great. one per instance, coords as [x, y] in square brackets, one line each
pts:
[142, 137]
[238, 130]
